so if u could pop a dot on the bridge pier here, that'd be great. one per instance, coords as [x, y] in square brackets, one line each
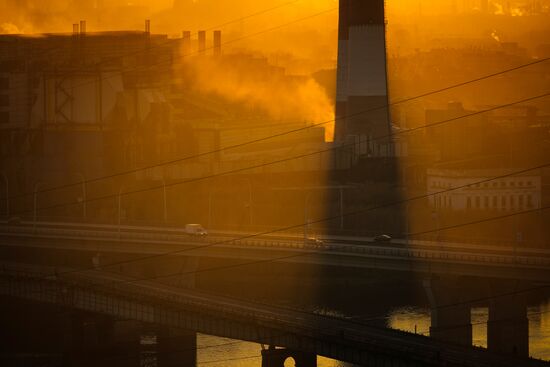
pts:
[450, 311]
[89, 340]
[96, 340]
[176, 348]
[508, 325]
[275, 357]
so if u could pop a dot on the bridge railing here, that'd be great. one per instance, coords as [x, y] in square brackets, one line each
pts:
[321, 248]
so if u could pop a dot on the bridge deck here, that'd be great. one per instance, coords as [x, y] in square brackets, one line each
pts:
[420, 257]
[146, 301]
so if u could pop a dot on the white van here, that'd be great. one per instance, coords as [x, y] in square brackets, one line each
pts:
[195, 230]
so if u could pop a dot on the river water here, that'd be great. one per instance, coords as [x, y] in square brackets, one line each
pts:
[220, 352]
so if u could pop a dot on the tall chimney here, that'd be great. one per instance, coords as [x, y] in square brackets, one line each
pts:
[202, 42]
[147, 26]
[82, 27]
[186, 42]
[342, 71]
[362, 76]
[217, 43]
[76, 29]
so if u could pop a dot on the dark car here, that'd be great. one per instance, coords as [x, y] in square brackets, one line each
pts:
[382, 238]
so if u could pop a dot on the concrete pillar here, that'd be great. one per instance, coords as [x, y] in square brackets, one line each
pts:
[176, 348]
[89, 341]
[127, 350]
[508, 326]
[274, 357]
[450, 312]
[95, 340]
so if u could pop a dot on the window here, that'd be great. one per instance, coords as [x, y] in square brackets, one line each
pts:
[469, 203]
[529, 201]
[503, 202]
[4, 100]
[512, 201]
[495, 202]
[521, 201]
[478, 202]
[486, 202]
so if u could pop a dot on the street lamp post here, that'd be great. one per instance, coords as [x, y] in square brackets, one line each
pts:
[119, 209]
[84, 195]
[165, 207]
[306, 219]
[7, 193]
[341, 208]
[210, 208]
[407, 222]
[249, 201]
[35, 202]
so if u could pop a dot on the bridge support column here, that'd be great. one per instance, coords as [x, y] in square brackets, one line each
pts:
[508, 326]
[89, 340]
[176, 348]
[450, 312]
[274, 357]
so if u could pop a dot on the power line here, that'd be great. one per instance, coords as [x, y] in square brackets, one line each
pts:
[273, 136]
[326, 219]
[361, 321]
[282, 160]
[281, 258]
[269, 260]
[413, 235]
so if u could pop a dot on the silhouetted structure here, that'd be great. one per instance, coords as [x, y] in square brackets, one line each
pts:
[362, 93]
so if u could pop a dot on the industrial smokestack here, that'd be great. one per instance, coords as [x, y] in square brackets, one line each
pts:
[202, 42]
[76, 29]
[83, 27]
[362, 77]
[186, 42]
[147, 26]
[217, 43]
[342, 72]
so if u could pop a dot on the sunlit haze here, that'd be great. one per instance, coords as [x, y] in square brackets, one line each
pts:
[275, 183]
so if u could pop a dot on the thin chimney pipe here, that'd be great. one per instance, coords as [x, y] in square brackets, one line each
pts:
[217, 43]
[202, 42]
[186, 42]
